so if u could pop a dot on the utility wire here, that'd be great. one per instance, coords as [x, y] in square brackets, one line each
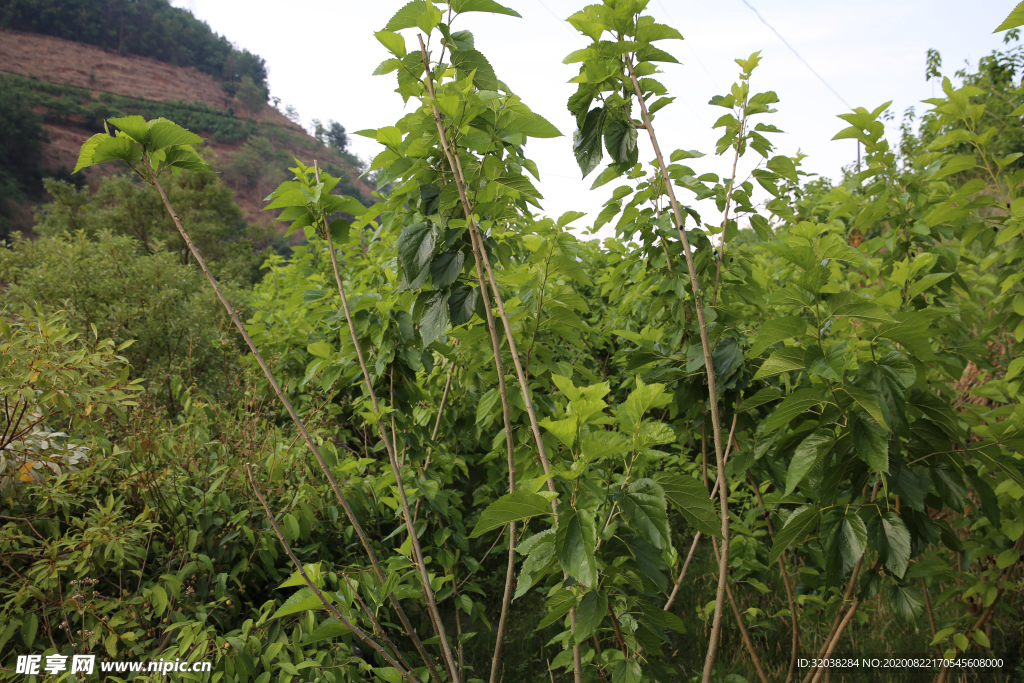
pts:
[793, 50]
[692, 51]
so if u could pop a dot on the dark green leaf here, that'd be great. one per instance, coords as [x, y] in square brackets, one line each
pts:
[587, 141]
[575, 543]
[692, 499]
[774, 331]
[482, 6]
[889, 536]
[643, 506]
[620, 139]
[509, 508]
[591, 611]
[416, 247]
[799, 525]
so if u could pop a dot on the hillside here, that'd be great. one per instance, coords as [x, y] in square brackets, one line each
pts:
[74, 86]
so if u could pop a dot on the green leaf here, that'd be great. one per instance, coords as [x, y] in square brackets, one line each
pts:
[102, 147]
[482, 6]
[692, 499]
[300, 601]
[418, 13]
[766, 395]
[849, 304]
[806, 456]
[589, 613]
[462, 303]
[889, 536]
[565, 429]
[782, 360]
[393, 42]
[643, 507]
[586, 141]
[434, 321]
[627, 671]
[620, 139]
[645, 397]
[870, 442]
[320, 349]
[445, 268]
[867, 402]
[416, 247]
[331, 628]
[799, 525]
[469, 60]
[164, 133]
[774, 331]
[134, 127]
[905, 600]
[575, 543]
[512, 507]
[184, 158]
[794, 404]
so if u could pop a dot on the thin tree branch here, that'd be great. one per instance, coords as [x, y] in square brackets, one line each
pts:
[723, 565]
[353, 520]
[316, 591]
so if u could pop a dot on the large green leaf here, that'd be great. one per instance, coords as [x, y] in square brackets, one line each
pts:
[575, 543]
[470, 60]
[890, 537]
[434, 320]
[870, 442]
[799, 525]
[416, 247]
[643, 507]
[331, 628]
[1013, 20]
[417, 14]
[620, 139]
[300, 601]
[482, 6]
[102, 147]
[774, 331]
[164, 133]
[513, 507]
[586, 142]
[807, 455]
[867, 402]
[850, 304]
[589, 613]
[445, 268]
[782, 360]
[794, 404]
[462, 303]
[692, 499]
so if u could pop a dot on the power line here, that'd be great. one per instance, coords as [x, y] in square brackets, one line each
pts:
[692, 51]
[791, 49]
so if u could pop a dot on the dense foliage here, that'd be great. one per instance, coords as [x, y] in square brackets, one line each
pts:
[148, 28]
[468, 445]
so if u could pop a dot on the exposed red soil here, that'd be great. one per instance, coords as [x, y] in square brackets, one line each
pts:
[66, 62]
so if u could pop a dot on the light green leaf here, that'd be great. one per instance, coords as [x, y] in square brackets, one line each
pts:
[418, 13]
[482, 6]
[393, 42]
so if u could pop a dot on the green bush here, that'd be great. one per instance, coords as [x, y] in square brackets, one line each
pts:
[109, 281]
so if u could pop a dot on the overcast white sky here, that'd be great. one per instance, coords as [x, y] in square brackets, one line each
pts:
[321, 53]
